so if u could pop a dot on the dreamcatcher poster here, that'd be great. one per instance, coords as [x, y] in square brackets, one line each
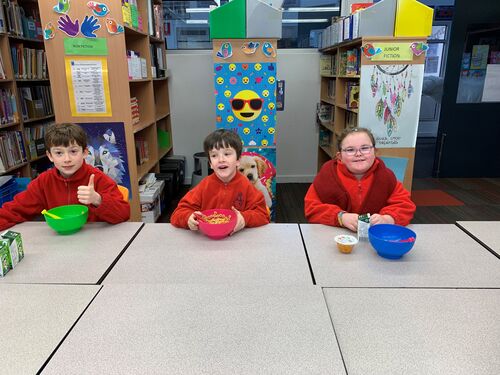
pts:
[390, 103]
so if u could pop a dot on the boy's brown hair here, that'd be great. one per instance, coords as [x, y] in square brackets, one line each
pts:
[348, 131]
[222, 138]
[64, 135]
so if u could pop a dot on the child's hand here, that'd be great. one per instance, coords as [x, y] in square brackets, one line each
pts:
[87, 194]
[381, 219]
[193, 221]
[240, 221]
[350, 221]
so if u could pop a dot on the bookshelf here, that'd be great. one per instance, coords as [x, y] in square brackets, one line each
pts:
[137, 78]
[345, 70]
[25, 98]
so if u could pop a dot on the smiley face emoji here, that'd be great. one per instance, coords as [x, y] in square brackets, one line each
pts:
[271, 130]
[220, 80]
[270, 105]
[247, 105]
[265, 93]
[220, 106]
[271, 80]
[245, 80]
[227, 93]
[258, 67]
[232, 67]
[265, 118]
[264, 142]
[230, 119]
[246, 131]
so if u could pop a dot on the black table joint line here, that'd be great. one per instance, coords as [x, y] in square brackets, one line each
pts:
[478, 240]
[307, 256]
[67, 333]
[101, 280]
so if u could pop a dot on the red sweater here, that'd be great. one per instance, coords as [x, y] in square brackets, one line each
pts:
[398, 204]
[211, 193]
[50, 190]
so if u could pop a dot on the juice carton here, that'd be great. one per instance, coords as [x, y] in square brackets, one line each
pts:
[15, 244]
[5, 264]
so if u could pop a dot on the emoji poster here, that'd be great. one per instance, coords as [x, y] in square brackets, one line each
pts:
[108, 150]
[259, 166]
[245, 97]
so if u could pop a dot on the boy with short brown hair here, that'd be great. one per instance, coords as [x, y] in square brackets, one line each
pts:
[71, 181]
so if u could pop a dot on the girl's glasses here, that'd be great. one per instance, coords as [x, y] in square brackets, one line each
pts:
[255, 104]
[351, 151]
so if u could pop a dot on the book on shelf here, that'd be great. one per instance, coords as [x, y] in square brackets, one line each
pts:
[21, 21]
[326, 65]
[352, 95]
[158, 20]
[8, 107]
[351, 119]
[34, 136]
[141, 150]
[325, 113]
[12, 151]
[134, 108]
[36, 102]
[325, 137]
[330, 89]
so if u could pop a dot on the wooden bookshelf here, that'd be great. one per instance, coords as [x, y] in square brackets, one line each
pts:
[151, 92]
[346, 115]
[26, 77]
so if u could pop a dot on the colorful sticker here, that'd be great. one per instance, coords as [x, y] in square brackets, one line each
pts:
[49, 31]
[89, 26]
[268, 49]
[225, 51]
[113, 27]
[249, 48]
[418, 48]
[62, 7]
[67, 26]
[99, 9]
[246, 101]
[369, 50]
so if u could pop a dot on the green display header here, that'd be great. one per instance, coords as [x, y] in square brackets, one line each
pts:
[85, 47]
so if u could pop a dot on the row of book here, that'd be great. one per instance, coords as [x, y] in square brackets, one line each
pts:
[134, 108]
[16, 20]
[349, 62]
[137, 66]
[12, 151]
[28, 63]
[326, 113]
[36, 102]
[158, 66]
[131, 15]
[141, 150]
[8, 107]
[34, 136]
[155, 19]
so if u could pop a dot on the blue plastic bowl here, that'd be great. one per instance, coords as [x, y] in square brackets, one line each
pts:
[390, 240]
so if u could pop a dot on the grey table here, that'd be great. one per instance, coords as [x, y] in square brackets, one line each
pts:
[443, 256]
[35, 318]
[486, 232]
[417, 331]
[79, 258]
[201, 329]
[269, 255]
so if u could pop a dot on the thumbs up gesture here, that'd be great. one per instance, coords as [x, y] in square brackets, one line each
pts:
[87, 194]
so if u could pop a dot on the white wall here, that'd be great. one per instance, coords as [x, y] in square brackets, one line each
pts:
[192, 105]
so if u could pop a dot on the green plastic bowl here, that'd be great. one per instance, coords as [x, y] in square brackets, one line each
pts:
[73, 218]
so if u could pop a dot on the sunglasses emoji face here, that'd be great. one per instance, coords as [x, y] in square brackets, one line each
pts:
[247, 105]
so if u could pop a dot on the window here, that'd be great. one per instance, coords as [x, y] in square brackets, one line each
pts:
[186, 22]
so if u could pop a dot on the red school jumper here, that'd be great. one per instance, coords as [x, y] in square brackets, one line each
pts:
[212, 193]
[50, 190]
[336, 189]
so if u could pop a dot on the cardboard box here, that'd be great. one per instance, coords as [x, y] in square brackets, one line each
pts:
[150, 202]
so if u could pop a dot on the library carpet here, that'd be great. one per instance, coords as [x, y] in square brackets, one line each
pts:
[434, 197]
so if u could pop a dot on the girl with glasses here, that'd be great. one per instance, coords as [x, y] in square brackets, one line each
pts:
[357, 182]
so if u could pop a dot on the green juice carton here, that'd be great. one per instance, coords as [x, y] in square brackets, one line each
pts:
[15, 244]
[5, 264]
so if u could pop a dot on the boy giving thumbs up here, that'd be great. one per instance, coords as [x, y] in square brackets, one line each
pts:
[71, 181]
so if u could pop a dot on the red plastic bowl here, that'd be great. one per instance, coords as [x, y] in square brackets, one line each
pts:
[218, 231]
